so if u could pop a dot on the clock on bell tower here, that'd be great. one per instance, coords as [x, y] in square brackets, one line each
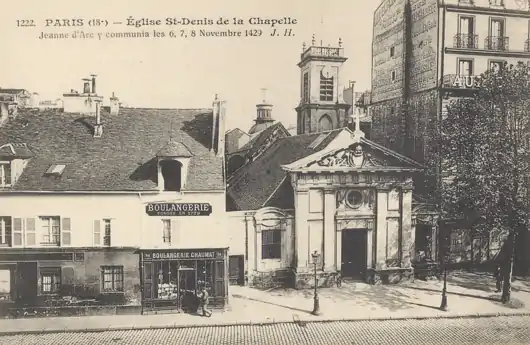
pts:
[321, 106]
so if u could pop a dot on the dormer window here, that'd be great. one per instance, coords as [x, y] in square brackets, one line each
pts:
[172, 174]
[56, 169]
[173, 161]
[5, 174]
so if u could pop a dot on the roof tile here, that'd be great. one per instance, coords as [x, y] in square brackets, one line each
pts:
[123, 159]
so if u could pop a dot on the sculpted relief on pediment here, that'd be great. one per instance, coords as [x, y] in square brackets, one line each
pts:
[354, 156]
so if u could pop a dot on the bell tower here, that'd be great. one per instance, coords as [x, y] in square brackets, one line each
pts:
[321, 106]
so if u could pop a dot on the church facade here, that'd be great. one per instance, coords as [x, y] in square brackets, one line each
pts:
[327, 199]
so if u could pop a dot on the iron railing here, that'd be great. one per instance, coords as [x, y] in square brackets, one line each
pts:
[499, 43]
[469, 41]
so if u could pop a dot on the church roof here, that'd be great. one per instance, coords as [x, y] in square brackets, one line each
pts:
[255, 183]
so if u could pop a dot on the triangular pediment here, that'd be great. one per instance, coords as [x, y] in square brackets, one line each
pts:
[357, 154]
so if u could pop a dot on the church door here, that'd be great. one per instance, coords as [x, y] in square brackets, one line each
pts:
[353, 261]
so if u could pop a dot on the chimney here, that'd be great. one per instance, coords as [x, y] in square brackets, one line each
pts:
[93, 83]
[215, 123]
[218, 127]
[114, 105]
[86, 86]
[98, 127]
[4, 112]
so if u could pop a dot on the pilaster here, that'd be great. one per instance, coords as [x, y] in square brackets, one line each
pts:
[329, 230]
[408, 236]
[380, 228]
[301, 201]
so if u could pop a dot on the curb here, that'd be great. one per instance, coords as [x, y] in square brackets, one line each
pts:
[261, 323]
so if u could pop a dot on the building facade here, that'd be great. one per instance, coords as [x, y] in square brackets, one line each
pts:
[425, 53]
[113, 208]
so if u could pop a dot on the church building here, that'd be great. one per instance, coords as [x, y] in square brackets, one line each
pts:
[327, 198]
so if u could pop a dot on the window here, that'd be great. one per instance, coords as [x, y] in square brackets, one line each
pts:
[5, 231]
[497, 27]
[465, 68]
[496, 2]
[112, 278]
[56, 169]
[167, 230]
[354, 199]
[106, 238]
[50, 280]
[326, 88]
[51, 230]
[271, 244]
[172, 174]
[496, 65]
[466, 25]
[306, 87]
[325, 123]
[392, 51]
[5, 174]
[393, 76]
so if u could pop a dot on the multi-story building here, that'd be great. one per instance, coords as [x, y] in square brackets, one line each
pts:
[117, 207]
[424, 53]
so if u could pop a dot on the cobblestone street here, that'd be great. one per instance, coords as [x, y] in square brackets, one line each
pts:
[490, 330]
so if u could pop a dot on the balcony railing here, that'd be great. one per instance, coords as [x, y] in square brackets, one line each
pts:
[469, 41]
[499, 43]
[323, 51]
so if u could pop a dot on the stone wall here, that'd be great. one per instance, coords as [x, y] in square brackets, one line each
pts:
[389, 276]
[306, 280]
[84, 278]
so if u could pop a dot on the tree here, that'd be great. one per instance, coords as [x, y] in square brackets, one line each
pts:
[485, 148]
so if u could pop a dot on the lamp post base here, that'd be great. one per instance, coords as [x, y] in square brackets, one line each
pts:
[443, 305]
[316, 307]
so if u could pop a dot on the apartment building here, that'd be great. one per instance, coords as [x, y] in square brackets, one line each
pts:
[120, 207]
[424, 53]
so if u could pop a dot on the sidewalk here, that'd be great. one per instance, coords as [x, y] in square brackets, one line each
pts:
[469, 294]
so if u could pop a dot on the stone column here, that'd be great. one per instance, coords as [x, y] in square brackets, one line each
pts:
[301, 204]
[330, 263]
[381, 213]
[408, 237]
[369, 244]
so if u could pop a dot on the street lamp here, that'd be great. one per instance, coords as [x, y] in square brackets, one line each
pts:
[316, 302]
[443, 305]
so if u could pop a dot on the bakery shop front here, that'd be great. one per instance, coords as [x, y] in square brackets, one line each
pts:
[172, 279]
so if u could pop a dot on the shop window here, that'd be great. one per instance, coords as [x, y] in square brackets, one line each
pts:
[5, 231]
[166, 223]
[108, 229]
[50, 280]
[5, 284]
[112, 278]
[271, 243]
[51, 230]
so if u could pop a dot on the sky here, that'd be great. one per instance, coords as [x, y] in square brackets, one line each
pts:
[177, 72]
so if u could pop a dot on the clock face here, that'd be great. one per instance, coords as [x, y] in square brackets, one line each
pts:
[327, 72]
